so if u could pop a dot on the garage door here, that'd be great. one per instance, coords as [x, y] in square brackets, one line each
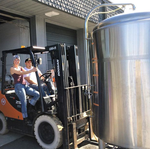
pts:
[57, 34]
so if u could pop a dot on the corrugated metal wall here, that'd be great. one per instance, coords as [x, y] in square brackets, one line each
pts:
[78, 8]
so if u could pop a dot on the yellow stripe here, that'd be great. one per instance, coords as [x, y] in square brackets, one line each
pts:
[94, 62]
[95, 75]
[96, 104]
[94, 58]
[95, 92]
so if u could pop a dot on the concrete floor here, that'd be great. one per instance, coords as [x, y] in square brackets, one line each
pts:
[16, 141]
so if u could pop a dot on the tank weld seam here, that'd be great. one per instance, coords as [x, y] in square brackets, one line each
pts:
[126, 58]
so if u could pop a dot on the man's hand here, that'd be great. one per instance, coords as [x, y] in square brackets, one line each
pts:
[29, 80]
[34, 69]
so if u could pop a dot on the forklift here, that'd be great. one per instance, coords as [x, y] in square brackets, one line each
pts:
[59, 120]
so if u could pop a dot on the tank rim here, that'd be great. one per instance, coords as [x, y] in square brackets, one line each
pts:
[126, 17]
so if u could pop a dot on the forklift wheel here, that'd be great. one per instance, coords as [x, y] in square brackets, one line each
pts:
[3, 125]
[48, 132]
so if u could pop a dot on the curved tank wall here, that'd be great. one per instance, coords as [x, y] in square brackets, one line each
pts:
[121, 75]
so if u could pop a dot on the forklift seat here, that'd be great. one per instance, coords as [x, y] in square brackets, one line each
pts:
[10, 92]
[9, 81]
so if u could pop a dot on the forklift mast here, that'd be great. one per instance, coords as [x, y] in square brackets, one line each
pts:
[73, 104]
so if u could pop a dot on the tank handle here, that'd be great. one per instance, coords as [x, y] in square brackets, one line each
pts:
[87, 69]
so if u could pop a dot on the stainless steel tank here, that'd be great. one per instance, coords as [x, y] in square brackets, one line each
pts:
[121, 75]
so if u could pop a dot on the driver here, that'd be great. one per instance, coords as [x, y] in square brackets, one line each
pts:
[31, 79]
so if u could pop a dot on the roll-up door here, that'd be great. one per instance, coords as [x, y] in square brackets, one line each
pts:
[57, 34]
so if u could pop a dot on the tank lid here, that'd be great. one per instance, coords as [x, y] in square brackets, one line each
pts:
[123, 18]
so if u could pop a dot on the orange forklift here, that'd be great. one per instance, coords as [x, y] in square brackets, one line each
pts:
[61, 119]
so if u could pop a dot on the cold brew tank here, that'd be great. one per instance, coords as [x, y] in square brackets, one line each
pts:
[121, 77]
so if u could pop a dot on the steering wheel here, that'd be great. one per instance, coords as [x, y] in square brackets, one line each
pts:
[46, 75]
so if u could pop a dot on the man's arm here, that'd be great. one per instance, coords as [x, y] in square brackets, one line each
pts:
[29, 80]
[40, 74]
[23, 72]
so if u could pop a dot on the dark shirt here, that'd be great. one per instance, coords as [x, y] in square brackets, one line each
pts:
[19, 78]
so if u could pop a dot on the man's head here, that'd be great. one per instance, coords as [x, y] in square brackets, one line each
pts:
[28, 63]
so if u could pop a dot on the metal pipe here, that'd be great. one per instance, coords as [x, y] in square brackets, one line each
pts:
[106, 12]
[87, 58]
[101, 144]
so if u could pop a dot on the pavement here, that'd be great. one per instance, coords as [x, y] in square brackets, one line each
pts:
[8, 138]
[16, 141]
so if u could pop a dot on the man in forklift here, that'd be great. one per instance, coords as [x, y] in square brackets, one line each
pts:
[31, 79]
[21, 89]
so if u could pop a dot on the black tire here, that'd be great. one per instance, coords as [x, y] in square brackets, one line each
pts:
[48, 132]
[3, 124]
